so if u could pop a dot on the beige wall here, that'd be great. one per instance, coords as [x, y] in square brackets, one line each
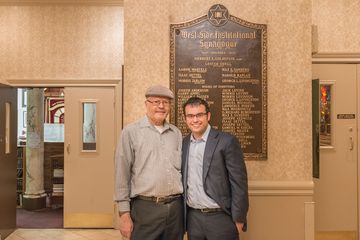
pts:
[61, 41]
[42, 41]
[338, 25]
[83, 41]
[289, 71]
[277, 205]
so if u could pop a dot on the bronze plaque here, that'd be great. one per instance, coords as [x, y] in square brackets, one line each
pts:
[222, 59]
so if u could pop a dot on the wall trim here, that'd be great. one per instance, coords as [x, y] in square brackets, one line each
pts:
[336, 58]
[309, 221]
[61, 2]
[62, 82]
[281, 188]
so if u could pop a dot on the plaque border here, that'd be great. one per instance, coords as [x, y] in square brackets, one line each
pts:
[263, 27]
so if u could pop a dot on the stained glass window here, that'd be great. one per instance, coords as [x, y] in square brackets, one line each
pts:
[325, 115]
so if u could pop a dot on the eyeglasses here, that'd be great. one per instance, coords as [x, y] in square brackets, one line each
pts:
[158, 102]
[192, 116]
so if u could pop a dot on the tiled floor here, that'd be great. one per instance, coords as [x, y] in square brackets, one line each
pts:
[65, 234]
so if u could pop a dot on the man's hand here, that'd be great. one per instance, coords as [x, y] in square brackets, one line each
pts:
[239, 227]
[126, 225]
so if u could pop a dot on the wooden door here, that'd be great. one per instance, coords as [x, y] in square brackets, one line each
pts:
[336, 189]
[8, 153]
[89, 157]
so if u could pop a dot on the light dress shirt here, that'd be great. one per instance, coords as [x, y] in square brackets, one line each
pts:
[147, 162]
[196, 197]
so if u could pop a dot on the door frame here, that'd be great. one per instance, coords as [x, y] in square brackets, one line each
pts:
[116, 83]
[347, 58]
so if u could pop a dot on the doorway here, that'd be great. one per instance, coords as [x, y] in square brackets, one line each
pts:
[51, 102]
[87, 149]
[336, 189]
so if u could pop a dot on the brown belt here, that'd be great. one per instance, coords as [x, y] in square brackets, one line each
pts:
[164, 199]
[207, 210]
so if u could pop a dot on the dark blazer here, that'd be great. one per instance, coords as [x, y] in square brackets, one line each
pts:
[224, 174]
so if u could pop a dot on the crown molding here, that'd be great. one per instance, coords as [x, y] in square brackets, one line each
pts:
[336, 58]
[62, 2]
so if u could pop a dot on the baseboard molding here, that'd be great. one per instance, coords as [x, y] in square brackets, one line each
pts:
[281, 188]
[88, 220]
[341, 235]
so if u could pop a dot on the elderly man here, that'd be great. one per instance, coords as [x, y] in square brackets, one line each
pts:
[148, 184]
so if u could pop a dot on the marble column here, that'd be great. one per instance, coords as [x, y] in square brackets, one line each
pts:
[35, 197]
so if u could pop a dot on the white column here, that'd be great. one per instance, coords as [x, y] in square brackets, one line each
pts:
[35, 197]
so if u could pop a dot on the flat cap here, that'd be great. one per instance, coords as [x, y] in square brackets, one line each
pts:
[159, 91]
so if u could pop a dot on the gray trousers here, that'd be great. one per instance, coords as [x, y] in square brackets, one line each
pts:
[157, 221]
[210, 226]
